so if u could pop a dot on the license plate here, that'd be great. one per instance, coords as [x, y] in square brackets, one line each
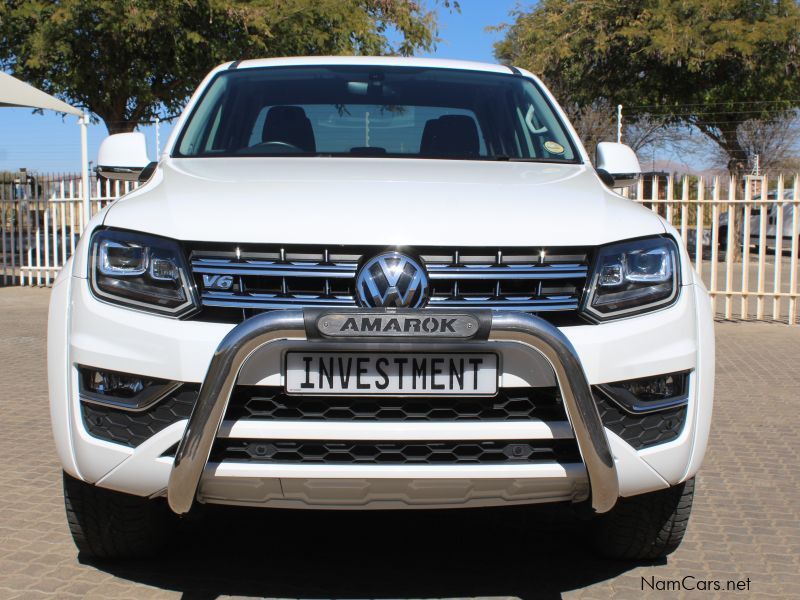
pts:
[412, 374]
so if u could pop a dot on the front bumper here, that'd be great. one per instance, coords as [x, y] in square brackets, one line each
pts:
[83, 331]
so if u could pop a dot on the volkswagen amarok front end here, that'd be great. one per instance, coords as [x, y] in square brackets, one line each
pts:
[378, 283]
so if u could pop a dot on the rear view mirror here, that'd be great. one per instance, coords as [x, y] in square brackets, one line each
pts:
[617, 164]
[122, 156]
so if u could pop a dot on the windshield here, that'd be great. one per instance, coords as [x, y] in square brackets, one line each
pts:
[374, 111]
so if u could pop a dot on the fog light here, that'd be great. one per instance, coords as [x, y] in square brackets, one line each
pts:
[649, 394]
[114, 384]
[122, 390]
[657, 388]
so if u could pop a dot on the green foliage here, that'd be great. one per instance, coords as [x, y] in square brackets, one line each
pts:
[133, 60]
[728, 60]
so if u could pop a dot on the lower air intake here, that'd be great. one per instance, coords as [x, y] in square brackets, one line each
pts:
[403, 453]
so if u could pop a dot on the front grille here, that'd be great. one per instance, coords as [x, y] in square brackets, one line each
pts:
[266, 278]
[391, 452]
[510, 404]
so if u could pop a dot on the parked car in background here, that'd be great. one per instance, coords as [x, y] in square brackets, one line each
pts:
[378, 283]
[773, 241]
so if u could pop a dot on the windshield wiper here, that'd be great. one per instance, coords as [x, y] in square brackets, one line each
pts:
[507, 158]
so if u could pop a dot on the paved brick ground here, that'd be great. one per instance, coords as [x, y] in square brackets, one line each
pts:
[744, 525]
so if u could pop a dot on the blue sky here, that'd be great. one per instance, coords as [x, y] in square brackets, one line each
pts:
[51, 143]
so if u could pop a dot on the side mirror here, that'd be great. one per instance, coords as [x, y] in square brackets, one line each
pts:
[617, 164]
[122, 156]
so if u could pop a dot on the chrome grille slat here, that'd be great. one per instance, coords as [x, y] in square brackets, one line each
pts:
[269, 278]
[507, 272]
[273, 269]
[521, 305]
[271, 301]
[434, 271]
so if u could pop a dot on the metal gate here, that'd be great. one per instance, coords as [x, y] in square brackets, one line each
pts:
[742, 237]
[41, 220]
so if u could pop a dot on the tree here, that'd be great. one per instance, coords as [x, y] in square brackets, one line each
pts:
[597, 122]
[594, 123]
[129, 61]
[710, 64]
[773, 141]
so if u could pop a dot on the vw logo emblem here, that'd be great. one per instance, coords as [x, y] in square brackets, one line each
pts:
[392, 279]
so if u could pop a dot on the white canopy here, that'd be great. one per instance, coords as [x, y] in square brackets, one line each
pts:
[14, 92]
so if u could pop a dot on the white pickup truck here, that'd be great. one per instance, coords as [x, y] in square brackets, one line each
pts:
[378, 283]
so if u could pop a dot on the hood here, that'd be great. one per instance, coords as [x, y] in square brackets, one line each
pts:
[380, 201]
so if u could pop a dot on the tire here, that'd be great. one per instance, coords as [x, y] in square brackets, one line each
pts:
[113, 525]
[645, 527]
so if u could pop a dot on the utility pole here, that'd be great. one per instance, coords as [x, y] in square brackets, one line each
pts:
[158, 139]
[87, 192]
[619, 123]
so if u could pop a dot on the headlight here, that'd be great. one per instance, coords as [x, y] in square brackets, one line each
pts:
[633, 277]
[141, 271]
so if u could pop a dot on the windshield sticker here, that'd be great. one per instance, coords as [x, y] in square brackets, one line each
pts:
[553, 147]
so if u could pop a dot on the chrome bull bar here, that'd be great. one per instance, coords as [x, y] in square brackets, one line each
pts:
[318, 325]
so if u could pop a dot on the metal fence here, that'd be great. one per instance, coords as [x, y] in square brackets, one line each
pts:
[742, 235]
[41, 220]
